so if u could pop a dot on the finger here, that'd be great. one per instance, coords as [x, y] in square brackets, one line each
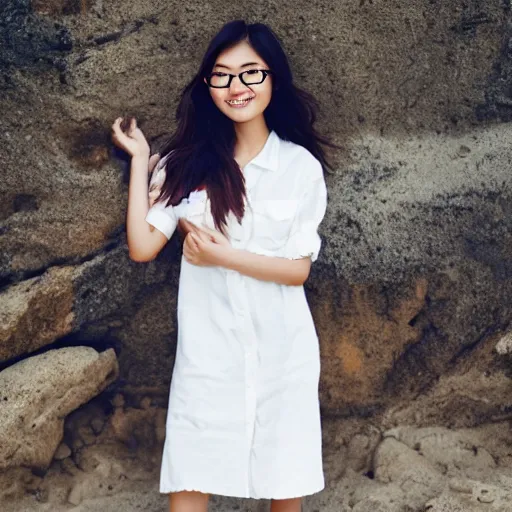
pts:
[188, 226]
[117, 122]
[187, 248]
[198, 236]
[204, 230]
[132, 129]
[198, 230]
[196, 241]
[116, 129]
[212, 234]
[189, 243]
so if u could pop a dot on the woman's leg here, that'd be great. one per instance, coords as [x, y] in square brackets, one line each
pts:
[291, 505]
[188, 501]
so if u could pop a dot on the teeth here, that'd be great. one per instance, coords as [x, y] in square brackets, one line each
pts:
[239, 102]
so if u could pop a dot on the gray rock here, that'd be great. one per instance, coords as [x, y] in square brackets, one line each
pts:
[398, 464]
[449, 451]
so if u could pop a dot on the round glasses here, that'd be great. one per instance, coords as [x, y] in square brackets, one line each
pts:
[220, 80]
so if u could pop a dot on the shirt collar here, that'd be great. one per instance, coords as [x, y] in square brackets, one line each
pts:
[268, 157]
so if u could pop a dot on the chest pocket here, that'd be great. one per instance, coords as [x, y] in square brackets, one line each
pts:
[273, 219]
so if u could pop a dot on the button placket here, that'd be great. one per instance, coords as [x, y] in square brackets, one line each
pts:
[240, 235]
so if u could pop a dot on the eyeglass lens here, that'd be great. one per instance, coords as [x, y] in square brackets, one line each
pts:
[250, 77]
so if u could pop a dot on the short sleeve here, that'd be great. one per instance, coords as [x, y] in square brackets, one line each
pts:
[160, 216]
[304, 240]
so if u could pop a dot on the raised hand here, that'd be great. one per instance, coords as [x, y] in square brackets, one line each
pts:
[132, 140]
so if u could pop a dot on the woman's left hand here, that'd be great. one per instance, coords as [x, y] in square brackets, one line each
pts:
[205, 247]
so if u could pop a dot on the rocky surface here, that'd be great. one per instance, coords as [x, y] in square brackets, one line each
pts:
[38, 393]
[368, 468]
[411, 294]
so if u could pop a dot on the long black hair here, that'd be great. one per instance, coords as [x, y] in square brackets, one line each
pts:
[202, 147]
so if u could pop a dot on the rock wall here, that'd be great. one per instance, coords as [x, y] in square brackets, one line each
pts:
[413, 286]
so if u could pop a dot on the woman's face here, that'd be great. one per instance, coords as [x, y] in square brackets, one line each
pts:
[241, 103]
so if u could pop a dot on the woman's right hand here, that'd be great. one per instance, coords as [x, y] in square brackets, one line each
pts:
[132, 141]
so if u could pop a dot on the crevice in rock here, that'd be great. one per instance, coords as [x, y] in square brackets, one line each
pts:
[11, 278]
[76, 339]
[414, 360]
[468, 348]
[128, 29]
[352, 411]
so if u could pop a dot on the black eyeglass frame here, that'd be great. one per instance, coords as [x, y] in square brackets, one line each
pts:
[265, 72]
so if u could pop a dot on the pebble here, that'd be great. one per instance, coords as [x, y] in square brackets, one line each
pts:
[97, 425]
[62, 452]
[118, 400]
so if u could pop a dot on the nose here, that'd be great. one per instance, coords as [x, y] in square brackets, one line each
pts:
[237, 86]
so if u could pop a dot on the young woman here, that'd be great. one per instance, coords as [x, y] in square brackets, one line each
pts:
[243, 176]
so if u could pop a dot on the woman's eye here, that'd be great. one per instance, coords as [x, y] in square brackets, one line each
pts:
[218, 74]
[252, 71]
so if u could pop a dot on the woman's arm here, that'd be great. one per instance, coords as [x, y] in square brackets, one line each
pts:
[268, 268]
[205, 247]
[144, 242]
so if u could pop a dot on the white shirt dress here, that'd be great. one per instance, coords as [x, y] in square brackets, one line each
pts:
[244, 415]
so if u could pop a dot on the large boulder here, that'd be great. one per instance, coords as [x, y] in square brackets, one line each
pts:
[37, 393]
[38, 311]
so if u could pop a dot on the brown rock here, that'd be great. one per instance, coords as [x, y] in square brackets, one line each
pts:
[97, 425]
[62, 452]
[359, 343]
[40, 392]
[36, 312]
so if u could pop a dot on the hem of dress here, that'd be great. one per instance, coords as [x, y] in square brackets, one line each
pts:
[238, 495]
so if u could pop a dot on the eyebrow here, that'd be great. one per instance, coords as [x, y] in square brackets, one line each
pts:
[242, 66]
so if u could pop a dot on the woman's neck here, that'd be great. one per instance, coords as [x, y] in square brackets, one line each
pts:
[250, 139]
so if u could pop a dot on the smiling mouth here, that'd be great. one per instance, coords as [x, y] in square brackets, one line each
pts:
[239, 103]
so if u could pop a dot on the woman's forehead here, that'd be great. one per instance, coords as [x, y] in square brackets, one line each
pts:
[238, 56]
